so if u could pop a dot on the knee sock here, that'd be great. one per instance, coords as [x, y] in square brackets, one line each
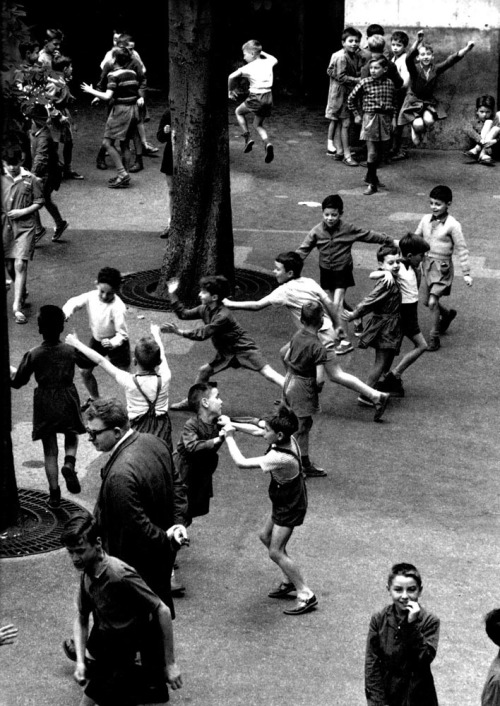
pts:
[371, 173]
[70, 461]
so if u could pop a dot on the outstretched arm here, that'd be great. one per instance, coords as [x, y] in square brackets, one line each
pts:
[248, 306]
[172, 671]
[73, 340]
[236, 454]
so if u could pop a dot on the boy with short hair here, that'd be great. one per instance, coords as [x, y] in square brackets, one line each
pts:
[235, 348]
[127, 617]
[259, 72]
[106, 312]
[491, 689]
[399, 44]
[444, 235]
[376, 47]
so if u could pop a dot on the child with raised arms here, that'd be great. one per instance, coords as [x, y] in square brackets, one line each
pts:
[402, 643]
[288, 494]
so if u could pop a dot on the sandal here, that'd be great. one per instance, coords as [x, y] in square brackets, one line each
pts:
[20, 318]
[350, 162]
[282, 591]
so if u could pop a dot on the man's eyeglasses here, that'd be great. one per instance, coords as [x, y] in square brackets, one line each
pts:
[94, 433]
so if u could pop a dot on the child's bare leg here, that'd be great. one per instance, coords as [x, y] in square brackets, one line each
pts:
[417, 131]
[275, 538]
[302, 436]
[434, 309]
[332, 130]
[382, 364]
[241, 113]
[141, 129]
[20, 277]
[271, 375]
[115, 156]
[168, 197]
[50, 452]
[258, 125]
[336, 374]
[126, 155]
[344, 137]
[90, 382]
[420, 347]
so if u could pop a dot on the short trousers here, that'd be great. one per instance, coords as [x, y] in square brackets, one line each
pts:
[376, 127]
[252, 360]
[260, 103]
[119, 356]
[301, 394]
[409, 320]
[336, 279]
[437, 277]
[289, 501]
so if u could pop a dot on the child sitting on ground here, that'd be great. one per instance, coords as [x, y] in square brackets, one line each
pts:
[259, 72]
[491, 689]
[146, 390]
[106, 313]
[402, 642]
[343, 70]
[382, 331]
[482, 133]
[444, 235]
[421, 108]
[56, 405]
[234, 346]
[288, 494]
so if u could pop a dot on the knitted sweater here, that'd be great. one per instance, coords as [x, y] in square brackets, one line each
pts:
[444, 236]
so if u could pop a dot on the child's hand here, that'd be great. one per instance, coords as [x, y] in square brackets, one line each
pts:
[106, 343]
[223, 420]
[468, 280]
[72, 339]
[167, 129]
[413, 611]
[233, 95]
[169, 328]
[80, 673]
[87, 87]
[226, 302]
[173, 285]
[228, 430]
[357, 119]
[420, 35]
[15, 213]
[347, 315]
[470, 46]
[155, 329]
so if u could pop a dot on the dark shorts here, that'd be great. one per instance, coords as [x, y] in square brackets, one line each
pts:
[437, 277]
[289, 501]
[336, 279]
[260, 103]
[301, 394]
[119, 356]
[252, 360]
[409, 320]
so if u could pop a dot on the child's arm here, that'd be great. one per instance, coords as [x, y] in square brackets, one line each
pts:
[374, 676]
[80, 636]
[463, 251]
[338, 70]
[232, 78]
[252, 425]
[248, 306]
[103, 95]
[21, 376]
[353, 100]
[73, 340]
[412, 54]
[172, 671]
[308, 244]
[236, 454]
[269, 57]
[74, 304]
[164, 367]
[453, 58]
[377, 295]
[421, 636]
[192, 441]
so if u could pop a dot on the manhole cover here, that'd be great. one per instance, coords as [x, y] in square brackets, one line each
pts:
[40, 526]
[138, 289]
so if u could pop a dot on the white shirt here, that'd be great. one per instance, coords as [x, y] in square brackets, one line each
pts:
[106, 320]
[259, 72]
[407, 281]
[136, 404]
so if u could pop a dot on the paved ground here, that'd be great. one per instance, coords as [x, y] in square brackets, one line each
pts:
[421, 487]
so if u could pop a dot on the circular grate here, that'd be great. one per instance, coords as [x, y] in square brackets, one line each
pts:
[40, 526]
[138, 289]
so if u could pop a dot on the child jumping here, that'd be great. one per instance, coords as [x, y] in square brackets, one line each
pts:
[234, 346]
[56, 405]
[259, 72]
[106, 313]
[482, 134]
[421, 108]
[146, 390]
[444, 235]
[402, 643]
[288, 494]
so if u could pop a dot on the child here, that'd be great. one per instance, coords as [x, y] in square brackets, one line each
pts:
[295, 291]
[420, 107]
[399, 44]
[146, 390]
[288, 494]
[382, 331]
[234, 346]
[334, 239]
[22, 197]
[51, 48]
[304, 360]
[374, 98]
[482, 134]
[444, 235]
[127, 617]
[343, 70]
[402, 642]
[196, 456]
[491, 689]
[259, 72]
[413, 248]
[106, 313]
[376, 46]
[56, 405]
[164, 135]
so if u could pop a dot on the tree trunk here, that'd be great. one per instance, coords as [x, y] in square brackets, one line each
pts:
[201, 237]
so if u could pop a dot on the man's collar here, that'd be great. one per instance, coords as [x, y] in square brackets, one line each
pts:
[121, 440]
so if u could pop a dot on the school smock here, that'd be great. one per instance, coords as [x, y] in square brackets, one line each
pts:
[19, 192]
[383, 328]
[344, 69]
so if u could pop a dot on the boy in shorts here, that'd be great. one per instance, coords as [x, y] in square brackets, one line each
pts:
[106, 312]
[259, 72]
[444, 235]
[235, 348]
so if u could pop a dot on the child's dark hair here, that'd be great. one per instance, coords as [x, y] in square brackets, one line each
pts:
[147, 353]
[197, 392]
[51, 34]
[374, 29]
[28, 48]
[351, 32]
[291, 261]
[121, 56]
[311, 313]
[376, 43]
[404, 569]
[51, 321]
[253, 45]
[492, 625]
[441, 193]
[413, 244]
[399, 36]
[485, 101]
[385, 250]
[333, 201]
[12, 153]
[111, 276]
[81, 526]
[216, 284]
[59, 63]
[382, 60]
[283, 420]
[124, 39]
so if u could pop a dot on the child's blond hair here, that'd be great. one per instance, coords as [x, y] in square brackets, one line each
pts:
[253, 46]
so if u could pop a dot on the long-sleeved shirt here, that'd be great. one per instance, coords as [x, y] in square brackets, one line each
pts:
[444, 235]
[423, 81]
[373, 95]
[106, 319]
[491, 689]
[398, 659]
[335, 244]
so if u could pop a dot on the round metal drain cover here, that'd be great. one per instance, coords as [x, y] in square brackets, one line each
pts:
[40, 526]
[138, 289]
